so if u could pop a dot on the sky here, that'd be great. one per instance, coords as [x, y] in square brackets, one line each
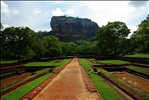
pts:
[37, 14]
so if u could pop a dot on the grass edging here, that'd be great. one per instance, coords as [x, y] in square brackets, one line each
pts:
[22, 91]
[108, 75]
[139, 69]
[106, 91]
[38, 88]
[17, 94]
[13, 87]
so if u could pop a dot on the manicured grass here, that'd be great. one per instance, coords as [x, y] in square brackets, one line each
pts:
[143, 70]
[106, 91]
[23, 80]
[141, 55]
[113, 62]
[17, 94]
[50, 63]
[125, 85]
[42, 71]
[8, 61]
[61, 64]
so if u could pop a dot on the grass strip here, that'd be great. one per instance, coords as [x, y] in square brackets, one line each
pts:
[125, 85]
[8, 61]
[139, 55]
[21, 82]
[50, 63]
[113, 62]
[143, 70]
[61, 64]
[106, 91]
[17, 94]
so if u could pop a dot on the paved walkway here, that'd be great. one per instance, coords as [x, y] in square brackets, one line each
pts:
[67, 85]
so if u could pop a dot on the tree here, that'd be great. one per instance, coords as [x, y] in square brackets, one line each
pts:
[141, 37]
[18, 42]
[108, 36]
[1, 26]
[83, 47]
[68, 48]
[52, 46]
[39, 48]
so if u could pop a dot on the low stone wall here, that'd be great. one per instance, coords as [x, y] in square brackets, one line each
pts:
[135, 60]
[22, 83]
[127, 91]
[121, 68]
[30, 95]
[137, 73]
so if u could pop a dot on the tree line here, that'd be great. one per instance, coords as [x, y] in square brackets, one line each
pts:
[25, 43]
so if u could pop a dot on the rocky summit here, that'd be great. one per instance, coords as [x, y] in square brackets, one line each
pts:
[71, 29]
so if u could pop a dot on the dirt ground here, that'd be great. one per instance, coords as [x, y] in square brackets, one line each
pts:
[67, 85]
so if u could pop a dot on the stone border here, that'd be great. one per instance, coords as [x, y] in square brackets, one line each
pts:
[22, 83]
[88, 82]
[124, 89]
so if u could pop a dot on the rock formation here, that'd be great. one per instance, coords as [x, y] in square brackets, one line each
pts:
[70, 28]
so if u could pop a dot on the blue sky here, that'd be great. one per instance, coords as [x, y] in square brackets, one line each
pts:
[37, 14]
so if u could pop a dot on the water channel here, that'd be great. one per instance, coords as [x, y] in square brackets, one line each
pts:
[133, 80]
[13, 79]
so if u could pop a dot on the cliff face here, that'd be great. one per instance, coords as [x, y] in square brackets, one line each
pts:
[70, 27]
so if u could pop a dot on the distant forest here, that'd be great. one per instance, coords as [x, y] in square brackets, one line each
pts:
[25, 43]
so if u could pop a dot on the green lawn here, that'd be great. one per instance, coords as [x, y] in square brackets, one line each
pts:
[141, 55]
[106, 91]
[8, 61]
[143, 70]
[50, 63]
[113, 62]
[17, 94]
[23, 80]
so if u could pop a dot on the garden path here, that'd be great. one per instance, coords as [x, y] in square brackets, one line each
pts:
[67, 85]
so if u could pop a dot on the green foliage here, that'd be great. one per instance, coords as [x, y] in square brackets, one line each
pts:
[141, 37]
[41, 34]
[17, 42]
[1, 26]
[114, 62]
[52, 46]
[108, 37]
[24, 43]
[106, 91]
[140, 55]
[39, 48]
[68, 48]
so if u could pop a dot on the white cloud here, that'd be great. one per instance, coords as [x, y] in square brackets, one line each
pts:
[5, 25]
[4, 8]
[37, 11]
[103, 12]
[6, 11]
[57, 12]
[14, 12]
[70, 12]
[132, 28]
[28, 13]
